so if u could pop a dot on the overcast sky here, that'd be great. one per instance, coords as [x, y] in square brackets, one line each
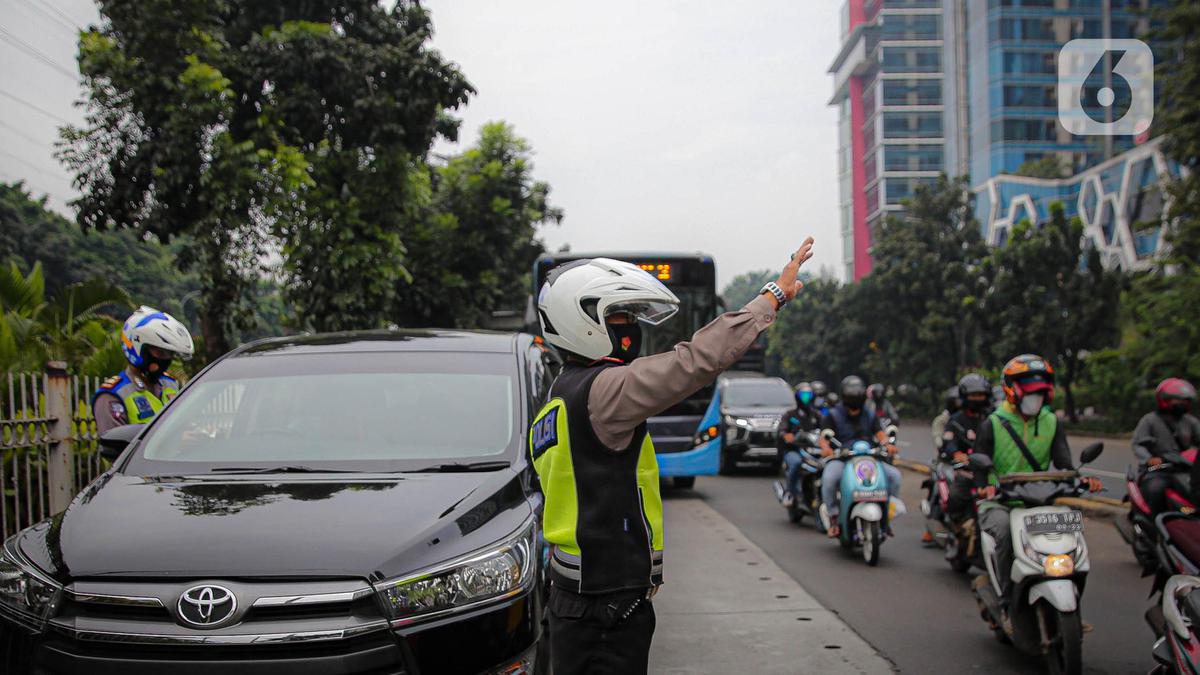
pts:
[670, 125]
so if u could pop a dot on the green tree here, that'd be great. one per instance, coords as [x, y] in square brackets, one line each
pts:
[1051, 297]
[922, 297]
[69, 326]
[745, 286]
[1049, 166]
[473, 253]
[228, 120]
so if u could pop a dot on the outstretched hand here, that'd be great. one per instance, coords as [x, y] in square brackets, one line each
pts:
[787, 281]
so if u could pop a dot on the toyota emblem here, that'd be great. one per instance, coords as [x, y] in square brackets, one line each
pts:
[207, 606]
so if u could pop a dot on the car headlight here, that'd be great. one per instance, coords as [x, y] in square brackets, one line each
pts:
[26, 595]
[498, 572]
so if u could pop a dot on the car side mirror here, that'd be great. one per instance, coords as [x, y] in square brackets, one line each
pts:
[979, 462]
[1091, 453]
[114, 441]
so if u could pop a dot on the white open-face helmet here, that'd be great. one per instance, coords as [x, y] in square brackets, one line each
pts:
[578, 296]
[148, 327]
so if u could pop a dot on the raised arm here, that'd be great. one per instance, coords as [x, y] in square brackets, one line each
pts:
[623, 398]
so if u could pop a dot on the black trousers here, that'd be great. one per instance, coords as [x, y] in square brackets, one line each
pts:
[1154, 486]
[600, 634]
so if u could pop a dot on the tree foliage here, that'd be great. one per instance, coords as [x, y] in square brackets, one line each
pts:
[228, 121]
[745, 286]
[473, 252]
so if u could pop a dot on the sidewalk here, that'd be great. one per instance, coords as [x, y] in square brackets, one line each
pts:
[728, 608]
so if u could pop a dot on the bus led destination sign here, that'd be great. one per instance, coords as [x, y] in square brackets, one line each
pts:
[661, 271]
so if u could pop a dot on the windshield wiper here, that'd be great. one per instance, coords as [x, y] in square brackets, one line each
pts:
[290, 468]
[463, 468]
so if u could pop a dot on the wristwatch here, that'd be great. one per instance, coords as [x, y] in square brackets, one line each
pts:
[774, 289]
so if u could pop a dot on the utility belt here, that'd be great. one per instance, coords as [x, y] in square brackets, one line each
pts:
[609, 609]
[566, 570]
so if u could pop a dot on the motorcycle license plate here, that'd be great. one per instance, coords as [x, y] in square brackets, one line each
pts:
[1058, 521]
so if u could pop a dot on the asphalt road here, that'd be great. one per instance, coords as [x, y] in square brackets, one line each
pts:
[913, 608]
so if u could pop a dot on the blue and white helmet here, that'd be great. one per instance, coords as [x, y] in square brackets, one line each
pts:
[148, 327]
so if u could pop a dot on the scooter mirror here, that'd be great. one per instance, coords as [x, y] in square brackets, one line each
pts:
[1091, 453]
[827, 434]
[980, 462]
[892, 432]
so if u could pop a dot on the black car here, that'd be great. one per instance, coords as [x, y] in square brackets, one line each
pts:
[750, 411]
[349, 503]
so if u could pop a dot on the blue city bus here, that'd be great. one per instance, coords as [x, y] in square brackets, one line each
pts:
[685, 448]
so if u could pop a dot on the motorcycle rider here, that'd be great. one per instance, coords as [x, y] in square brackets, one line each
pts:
[595, 460]
[151, 340]
[1164, 435]
[1023, 435]
[975, 393]
[849, 422]
[798, 420]
[952, 405]
[820, 402]
[879, 405]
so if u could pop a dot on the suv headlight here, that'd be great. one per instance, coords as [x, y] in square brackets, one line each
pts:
[26, 595]
[495, 573]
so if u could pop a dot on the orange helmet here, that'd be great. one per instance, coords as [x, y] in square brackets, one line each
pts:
[1026, 374]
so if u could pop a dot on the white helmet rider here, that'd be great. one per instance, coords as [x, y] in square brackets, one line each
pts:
[577, 296]
[148, 327]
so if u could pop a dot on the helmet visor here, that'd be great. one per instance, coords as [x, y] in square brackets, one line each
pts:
[652, 312]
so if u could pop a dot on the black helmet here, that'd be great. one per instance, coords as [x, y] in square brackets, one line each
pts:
[953, 402]
[974, 383]
[876, 392]
[854, 392]
[804, 393]
[819, 389]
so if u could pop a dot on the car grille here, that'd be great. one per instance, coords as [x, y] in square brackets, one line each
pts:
[328, 626]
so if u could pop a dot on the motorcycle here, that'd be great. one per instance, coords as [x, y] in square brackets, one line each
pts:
[865, 506]
[1138, 528]
[1177, 650]
[958, 540]
[1049, 570]
[809, 497]
[1177, 552]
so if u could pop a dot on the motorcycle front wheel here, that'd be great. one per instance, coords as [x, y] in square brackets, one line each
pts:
[1063, 632]
[869, 535]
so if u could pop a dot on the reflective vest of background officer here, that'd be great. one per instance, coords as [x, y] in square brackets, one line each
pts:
[151, 341]
[603, 515]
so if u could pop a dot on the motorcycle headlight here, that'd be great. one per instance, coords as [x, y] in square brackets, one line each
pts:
[26, 596]
[1058, 565]
[498, 572]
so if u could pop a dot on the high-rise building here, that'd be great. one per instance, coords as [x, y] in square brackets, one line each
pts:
[961, 86]
[888, 86]
[1012, 49]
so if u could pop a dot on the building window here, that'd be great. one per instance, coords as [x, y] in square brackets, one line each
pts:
[912, 92]
[912, 125]
[913, 158]
[912, 27]
[912, 59]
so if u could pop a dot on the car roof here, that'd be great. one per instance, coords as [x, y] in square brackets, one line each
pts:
[399, 340]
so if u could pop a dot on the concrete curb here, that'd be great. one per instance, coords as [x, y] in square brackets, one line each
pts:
[1097, 506]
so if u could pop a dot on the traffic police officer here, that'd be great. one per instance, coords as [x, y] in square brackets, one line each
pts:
[603, 513]
[151, 340]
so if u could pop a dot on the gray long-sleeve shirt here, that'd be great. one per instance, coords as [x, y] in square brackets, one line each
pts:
[623, 398]
[1158, 435]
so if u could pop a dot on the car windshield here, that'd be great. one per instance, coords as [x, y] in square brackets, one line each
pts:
[346, 411]
[772, 393]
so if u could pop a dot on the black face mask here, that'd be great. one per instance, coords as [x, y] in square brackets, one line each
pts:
[627, 341]
[153, 375]
[977, 407]
[1180, 408]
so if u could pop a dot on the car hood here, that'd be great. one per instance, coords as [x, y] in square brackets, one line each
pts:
[296, 526]
[754, 411]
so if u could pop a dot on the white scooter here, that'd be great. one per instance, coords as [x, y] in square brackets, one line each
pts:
[1050, 566]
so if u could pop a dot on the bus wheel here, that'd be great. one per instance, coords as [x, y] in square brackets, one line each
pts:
[684, 482]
